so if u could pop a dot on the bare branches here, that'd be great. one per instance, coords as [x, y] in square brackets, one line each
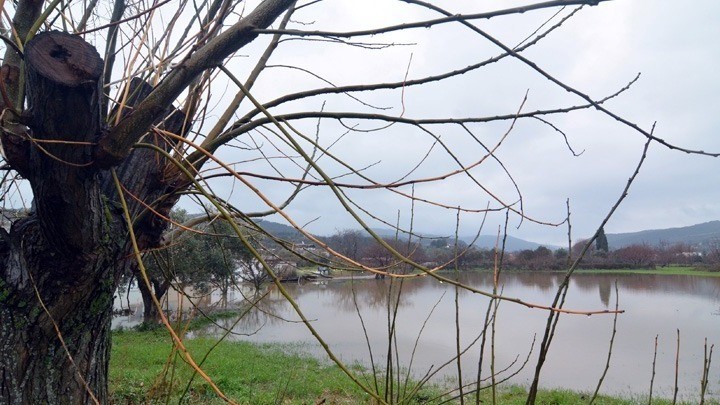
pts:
[562, 290]
[402, 84]
[245, 124]
[27, 12]
[437, 21]
[118, 10]
[114, 146]
[252, 135]
[566, 87]
[612, 342]
[240, 96]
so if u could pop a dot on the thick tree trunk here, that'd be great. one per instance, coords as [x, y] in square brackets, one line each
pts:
[60, 265]
[63, 90]
[151, 315]
[37, 366]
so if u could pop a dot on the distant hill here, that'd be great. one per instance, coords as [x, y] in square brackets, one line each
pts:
[512, 244]
[281, 231]
[484, 241]
[387, 233]
[699, 236]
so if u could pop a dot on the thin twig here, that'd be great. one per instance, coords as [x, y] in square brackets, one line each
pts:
[124, 20]
[457, 311]
[365, 334]
[559, 299]
[707, 360]
[677, 367]
[430, 23]
[652, 378]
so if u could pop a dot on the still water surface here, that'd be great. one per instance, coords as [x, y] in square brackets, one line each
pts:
[654, 306]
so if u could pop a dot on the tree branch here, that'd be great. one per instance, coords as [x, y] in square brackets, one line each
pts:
[118, 10]
[647, 134]
[116, 144]
[433, 22]
[27, 12]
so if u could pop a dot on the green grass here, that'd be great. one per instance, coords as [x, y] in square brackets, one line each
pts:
[247, 373]
[515, 395]
[663, 271]
[144, 371]
[669, 271]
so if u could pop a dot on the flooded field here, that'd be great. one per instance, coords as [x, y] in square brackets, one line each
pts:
[426, 327]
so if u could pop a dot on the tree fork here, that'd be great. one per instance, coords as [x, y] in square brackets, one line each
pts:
[145, 172]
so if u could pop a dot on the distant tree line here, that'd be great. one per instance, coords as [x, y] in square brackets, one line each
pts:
[362, 248]
[213, 258]
[209, 257]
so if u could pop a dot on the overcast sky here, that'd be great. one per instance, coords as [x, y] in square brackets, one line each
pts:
[672, 44]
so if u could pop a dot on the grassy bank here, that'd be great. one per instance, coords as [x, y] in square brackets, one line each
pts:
[143, 370]
[661, 271]
[666, 271]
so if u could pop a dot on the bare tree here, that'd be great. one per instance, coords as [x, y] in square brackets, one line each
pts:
[634, 256]
[110, 136]
[61, 263]
[349, 243]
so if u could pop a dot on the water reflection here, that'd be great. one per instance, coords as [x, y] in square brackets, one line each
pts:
[655, 305]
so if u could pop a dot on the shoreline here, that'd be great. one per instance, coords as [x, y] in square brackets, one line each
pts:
[265, 373]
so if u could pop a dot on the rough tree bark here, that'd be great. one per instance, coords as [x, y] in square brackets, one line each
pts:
[145, 174]
[69, 250]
